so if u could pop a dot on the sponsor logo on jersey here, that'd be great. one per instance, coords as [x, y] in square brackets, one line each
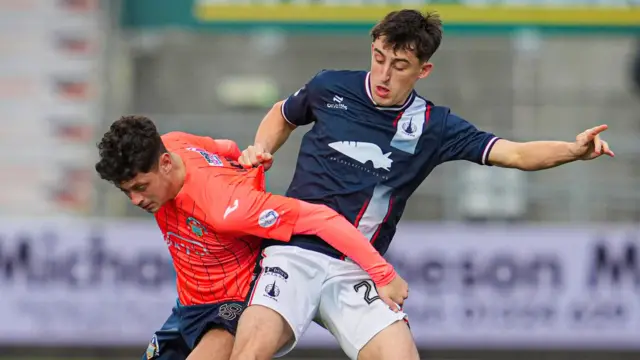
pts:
[337, 103]
[211, 159]
[364, 152]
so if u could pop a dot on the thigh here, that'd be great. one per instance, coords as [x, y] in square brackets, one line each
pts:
[167, 343]
[393, 342]
[216, 344]
[288, 286]
[261, 332]
[352, 311]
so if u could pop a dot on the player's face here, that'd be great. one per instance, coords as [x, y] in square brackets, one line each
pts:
[149, 191]
[394, 74]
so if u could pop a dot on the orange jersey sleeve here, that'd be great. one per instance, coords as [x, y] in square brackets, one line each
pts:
[223, 147]
[242, 209]
[240, 206]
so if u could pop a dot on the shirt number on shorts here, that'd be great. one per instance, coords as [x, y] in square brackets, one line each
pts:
[230, 311]
[368, 286]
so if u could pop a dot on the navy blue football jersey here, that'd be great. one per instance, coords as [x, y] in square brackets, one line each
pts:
[364, 160]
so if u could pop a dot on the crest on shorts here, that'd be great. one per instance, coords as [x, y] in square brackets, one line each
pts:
[272, 291]
[230, 311]
[196, 227]
[153, 351]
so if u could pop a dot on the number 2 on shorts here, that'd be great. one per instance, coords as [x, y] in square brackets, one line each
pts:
[367, 285]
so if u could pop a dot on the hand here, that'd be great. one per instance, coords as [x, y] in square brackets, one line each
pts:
[256, 155]
[394, 293]
[589, 145]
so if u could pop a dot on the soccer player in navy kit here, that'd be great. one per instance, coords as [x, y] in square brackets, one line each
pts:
[373, 141]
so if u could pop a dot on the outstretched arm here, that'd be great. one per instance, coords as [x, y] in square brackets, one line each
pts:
[540, 155]
[463, 141]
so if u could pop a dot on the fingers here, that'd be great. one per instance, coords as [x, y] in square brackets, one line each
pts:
[597, 145]
[593, 132]
[400, 296]
[252, 153]
[606, 149]
[266, 160]
[390, 303]
[245, 158]
[264, 157]
[254, 156]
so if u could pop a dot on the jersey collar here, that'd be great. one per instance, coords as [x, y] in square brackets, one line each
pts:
[367, 86]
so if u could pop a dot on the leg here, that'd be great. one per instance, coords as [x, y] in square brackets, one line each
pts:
[364, 326]
[167, 343]
[394, 342]
[216, 344]
[261, 333]
[282, 303]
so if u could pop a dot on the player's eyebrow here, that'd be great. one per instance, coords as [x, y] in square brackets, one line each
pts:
[393, 60]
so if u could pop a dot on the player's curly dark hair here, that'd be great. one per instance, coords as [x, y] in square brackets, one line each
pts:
[411, 30]
[131, 146]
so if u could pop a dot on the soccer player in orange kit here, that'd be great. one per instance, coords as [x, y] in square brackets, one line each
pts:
[213, 213]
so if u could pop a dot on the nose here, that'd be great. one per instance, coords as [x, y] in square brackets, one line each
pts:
[386, 72]
[136, 199]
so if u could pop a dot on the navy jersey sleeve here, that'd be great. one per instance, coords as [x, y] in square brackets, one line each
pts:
[463, 141]
[297, 108]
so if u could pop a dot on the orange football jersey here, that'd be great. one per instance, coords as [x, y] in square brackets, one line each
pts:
[214, 226]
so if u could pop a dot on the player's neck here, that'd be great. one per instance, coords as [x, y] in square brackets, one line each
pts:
[404, 99]
[179, 174]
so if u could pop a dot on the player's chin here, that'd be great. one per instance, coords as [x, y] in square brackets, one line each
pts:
[384, 101]
[151, 209]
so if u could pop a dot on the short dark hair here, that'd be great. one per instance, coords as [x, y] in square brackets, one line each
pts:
[411, 30]
[130, 147]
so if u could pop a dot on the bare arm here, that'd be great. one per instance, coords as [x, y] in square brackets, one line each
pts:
[540, 155]
[274, 130]
[530, 156]
[280, 121]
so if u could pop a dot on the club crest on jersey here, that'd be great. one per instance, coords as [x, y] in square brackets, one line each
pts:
[409, 128]
[211, 159]
[153, 351]
[268, 218]
[196, 227]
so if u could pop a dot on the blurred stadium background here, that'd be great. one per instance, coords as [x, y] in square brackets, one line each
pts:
[540, 265]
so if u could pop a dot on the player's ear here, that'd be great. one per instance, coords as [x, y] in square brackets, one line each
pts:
[425, 70]
[166, 163]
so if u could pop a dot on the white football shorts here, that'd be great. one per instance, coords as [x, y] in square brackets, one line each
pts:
[303, 286]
